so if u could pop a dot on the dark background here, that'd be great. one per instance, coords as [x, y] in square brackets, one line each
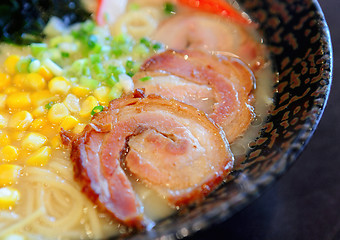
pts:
[305, 203]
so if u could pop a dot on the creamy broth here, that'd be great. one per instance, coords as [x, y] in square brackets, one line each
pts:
[51, 203]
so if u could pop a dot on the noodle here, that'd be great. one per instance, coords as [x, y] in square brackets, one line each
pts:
[138, 23]
[22, 223]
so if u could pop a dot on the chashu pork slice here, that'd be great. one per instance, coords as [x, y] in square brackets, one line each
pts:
[221, 86]
[170, 146]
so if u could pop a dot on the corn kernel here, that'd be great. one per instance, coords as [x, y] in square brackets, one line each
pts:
[39, 111]
[79, 128]
[17, 135]
[21, 120]
[80, 91]
[35, 81]
[57, 113]
[9, 173]
[3, 100]
[40, 157]
[59, 85]
[10, 63]
[11, 90]
[8, 197]
[87, 106]
[5, 80]
[4, 139]
[41, 98]
[9, 153]
[33, 141]
[38, 124]
[18, 100]
[56, 142]
[102, 94]
[3, 121]
[45, 72]
[72, 103]
[19, 79]
[69, 122]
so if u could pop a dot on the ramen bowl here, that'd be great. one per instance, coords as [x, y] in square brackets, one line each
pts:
[298, 42]
[298, 39]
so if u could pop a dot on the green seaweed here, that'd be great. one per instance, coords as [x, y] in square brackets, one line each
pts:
[22, 21]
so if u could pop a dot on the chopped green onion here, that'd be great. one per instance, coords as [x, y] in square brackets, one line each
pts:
[88, 82]
[157, 46]
[23, 64]
[53, 67]
[34, 66]
[116, 92]
[65, 54]
[97, 109]
[95, 58]
[38, 48]
[116, 71]
[129, 64]
[49, 105]
[131, 67]
[169, 8]
[145, 41]
[92, 41]
[144, 79]
[98, 68]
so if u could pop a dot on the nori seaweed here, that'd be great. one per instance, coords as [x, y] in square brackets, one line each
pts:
[22, 21]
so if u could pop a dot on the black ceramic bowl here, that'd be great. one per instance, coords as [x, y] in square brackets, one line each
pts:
[299, 42]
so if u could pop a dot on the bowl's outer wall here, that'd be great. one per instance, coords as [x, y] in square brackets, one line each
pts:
[299, 41]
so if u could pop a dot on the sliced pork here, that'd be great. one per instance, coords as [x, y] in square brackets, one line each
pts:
[219, 85]
[212, 33]
[170, 146]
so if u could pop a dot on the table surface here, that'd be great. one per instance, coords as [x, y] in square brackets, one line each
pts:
[305, 202]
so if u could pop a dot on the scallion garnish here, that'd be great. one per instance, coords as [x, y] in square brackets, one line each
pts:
[97, 109]
[49, 105]
[169, 8]
[143, 79]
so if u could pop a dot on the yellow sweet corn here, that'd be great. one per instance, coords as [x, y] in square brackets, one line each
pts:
[33, 141]
[79, 128]
[8, 197]
[9, 153]
[38, 124]
[3, 121]
[35, 81]
[10, 63]
[5, 80]
[56, 142]
[102, 94]
[3, 101]
[69, 122]
[19, 79]
[9, 173]
[11, 90]
[80, 91]
[17, 135]
[57, 113]
[40, 157]
[41, 98]
[72, 103]
[39, 111]
[4, 139]
[20, 120]
[59, 85]
[46, 73]
[19, 100]
[87, 106]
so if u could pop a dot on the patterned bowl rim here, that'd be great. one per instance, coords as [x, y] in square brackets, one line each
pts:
[242, 199]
